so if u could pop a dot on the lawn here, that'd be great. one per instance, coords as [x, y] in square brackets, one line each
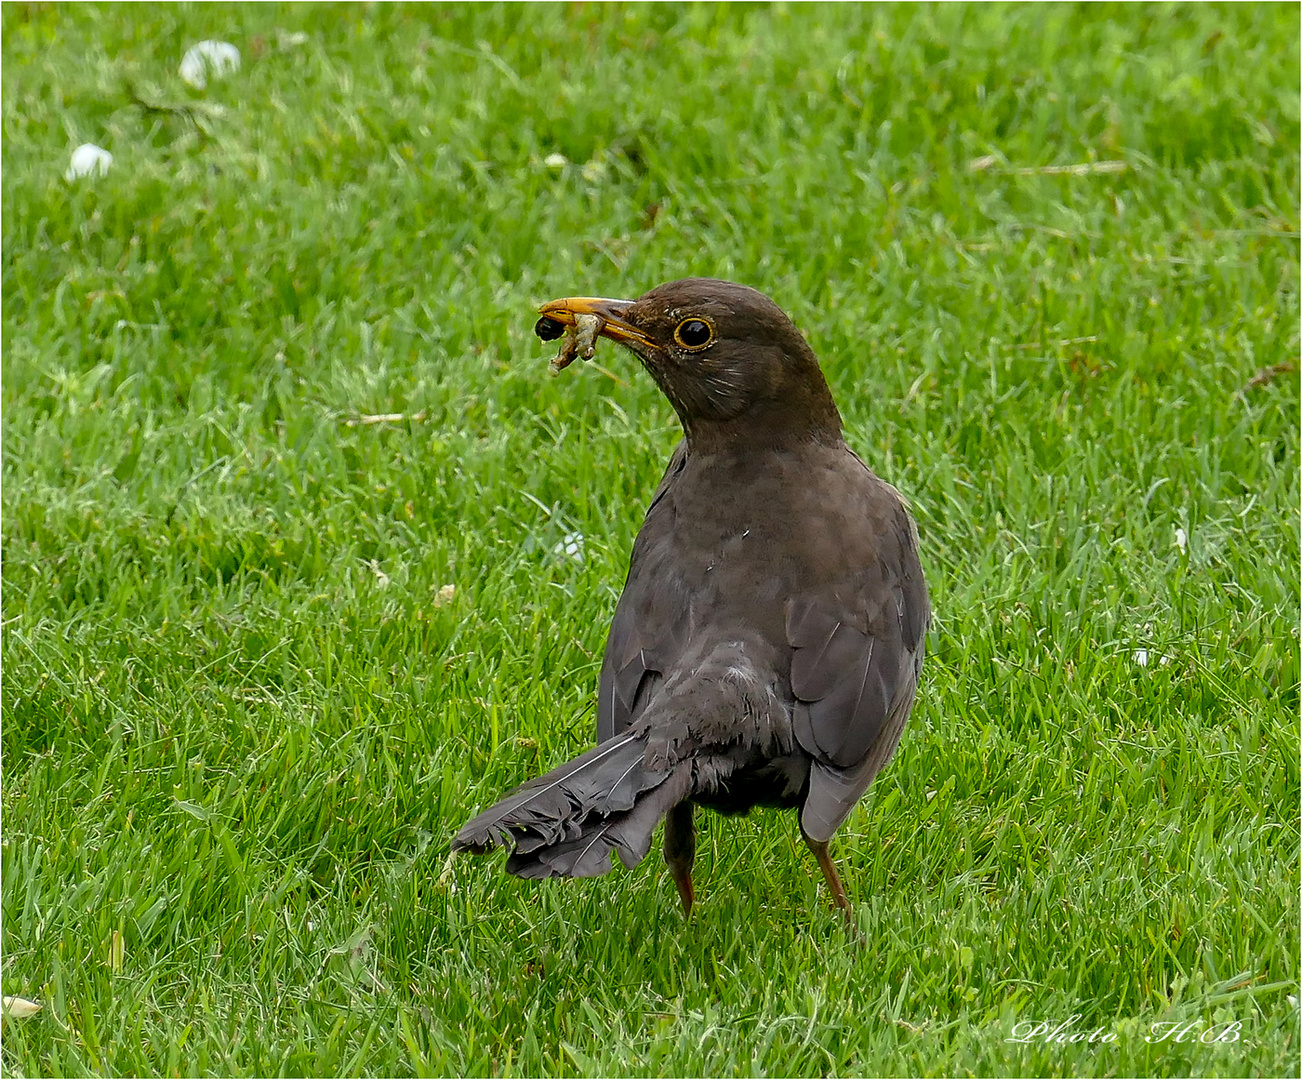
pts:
[306, 559]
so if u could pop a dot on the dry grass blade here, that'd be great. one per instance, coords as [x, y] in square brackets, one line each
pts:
[1084, 168]
[385, 418]
[1269, 374]
[1062, 344]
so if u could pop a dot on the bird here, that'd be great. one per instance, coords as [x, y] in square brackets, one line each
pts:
[768, 643]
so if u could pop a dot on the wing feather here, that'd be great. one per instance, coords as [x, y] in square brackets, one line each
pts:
[652, 619]
[856, 654]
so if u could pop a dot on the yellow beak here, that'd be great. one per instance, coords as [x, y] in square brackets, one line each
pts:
[611, 312]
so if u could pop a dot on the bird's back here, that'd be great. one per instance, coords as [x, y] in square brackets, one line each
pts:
[732, 550]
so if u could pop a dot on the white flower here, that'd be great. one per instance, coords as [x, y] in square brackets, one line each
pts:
[1181, 540]
[214, 58]
[86, 159]
[556, 161]
[570, 547]
[1141, 658]
[19, 1008]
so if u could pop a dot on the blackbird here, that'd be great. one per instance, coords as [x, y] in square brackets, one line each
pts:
[767, 646]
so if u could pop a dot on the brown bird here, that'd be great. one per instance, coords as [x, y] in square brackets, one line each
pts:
[767, 645]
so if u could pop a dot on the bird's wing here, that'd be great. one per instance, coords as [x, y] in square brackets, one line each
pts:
[651, 621]
[856, 655]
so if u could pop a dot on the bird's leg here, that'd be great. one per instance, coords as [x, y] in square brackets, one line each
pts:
[680, 850]
[819, 848]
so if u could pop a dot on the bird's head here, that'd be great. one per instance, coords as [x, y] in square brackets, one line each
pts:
[730, 361]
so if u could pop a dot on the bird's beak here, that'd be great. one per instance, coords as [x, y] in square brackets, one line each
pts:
[612, 313]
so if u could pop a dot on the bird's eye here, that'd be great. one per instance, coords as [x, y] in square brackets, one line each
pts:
[694, 334]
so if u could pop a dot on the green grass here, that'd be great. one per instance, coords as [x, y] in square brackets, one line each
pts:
[241, 723]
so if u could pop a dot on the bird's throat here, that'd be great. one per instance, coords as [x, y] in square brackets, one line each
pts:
[765, 425]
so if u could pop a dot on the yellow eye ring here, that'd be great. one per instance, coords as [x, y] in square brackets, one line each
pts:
[694, 334]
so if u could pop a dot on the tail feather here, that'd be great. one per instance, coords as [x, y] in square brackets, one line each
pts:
[628, 834]
[569, 820]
